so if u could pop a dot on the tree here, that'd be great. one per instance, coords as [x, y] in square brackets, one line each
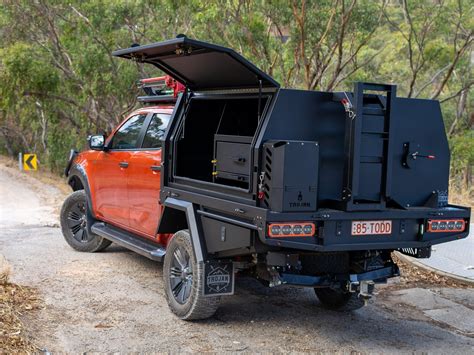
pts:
[60, 82]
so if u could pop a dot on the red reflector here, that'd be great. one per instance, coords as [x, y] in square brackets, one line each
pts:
[446, 225]
[293, 229]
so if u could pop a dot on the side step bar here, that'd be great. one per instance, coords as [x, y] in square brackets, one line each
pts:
[129, 241]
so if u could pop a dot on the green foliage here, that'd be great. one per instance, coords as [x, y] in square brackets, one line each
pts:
[462, 152]
[59, 81]
[24, 68]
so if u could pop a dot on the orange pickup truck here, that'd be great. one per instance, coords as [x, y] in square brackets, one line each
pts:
[235, 174]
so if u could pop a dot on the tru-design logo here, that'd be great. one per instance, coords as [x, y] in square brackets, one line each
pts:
[218, 278]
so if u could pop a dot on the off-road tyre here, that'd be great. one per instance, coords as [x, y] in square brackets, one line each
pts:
[74, 218]
[338, 300]
[195, 306]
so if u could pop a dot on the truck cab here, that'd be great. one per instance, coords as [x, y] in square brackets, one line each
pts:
[296, 187]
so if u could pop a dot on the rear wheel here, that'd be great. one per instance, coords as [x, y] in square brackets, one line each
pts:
[184, 280]
[74, 225]
[338, 299]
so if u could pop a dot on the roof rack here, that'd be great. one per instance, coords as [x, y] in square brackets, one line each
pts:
[157, 99]
[160, 89]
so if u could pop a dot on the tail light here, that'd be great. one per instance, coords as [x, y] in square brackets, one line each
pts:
[446, 225]
[298, 229]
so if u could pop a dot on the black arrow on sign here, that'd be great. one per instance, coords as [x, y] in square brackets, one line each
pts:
[28, 162]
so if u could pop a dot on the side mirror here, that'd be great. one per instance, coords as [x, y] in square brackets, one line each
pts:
[97, 142]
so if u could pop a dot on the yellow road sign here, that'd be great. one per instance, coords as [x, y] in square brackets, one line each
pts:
[30, 162]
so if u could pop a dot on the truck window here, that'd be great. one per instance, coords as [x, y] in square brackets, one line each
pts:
[156, 130]
[127, 135]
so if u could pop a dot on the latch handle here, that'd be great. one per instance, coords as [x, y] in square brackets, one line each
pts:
[409, 156]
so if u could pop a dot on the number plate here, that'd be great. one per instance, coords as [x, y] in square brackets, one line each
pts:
[371, 227]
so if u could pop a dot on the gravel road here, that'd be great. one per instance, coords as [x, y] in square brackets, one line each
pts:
[114, 301]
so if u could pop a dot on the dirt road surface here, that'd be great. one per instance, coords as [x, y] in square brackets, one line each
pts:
[114, 301]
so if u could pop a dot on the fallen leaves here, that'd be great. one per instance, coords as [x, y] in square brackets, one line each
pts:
[15, 301]
[411, 275]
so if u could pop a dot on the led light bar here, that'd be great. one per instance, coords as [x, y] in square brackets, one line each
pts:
[446, 225]
[293, 229]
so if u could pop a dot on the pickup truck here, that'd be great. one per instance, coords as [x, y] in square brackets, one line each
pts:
[305, 188]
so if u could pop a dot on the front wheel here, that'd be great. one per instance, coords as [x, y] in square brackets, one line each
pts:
[184, 280]
[74, 225]
[338, 299]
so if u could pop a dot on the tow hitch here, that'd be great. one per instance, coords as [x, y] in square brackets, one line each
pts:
[365, 289]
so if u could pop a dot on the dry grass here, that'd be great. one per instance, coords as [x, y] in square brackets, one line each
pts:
[42, 174]
[15, 301]
[462, 197]
[5, 270]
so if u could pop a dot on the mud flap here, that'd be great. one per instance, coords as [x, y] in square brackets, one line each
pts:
[218, 278]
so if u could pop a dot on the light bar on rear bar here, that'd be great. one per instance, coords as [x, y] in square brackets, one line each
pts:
[446, 225]
[296, 229]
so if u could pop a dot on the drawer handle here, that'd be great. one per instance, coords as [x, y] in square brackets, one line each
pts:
[123, 164]
[155, 167]
[240, 160]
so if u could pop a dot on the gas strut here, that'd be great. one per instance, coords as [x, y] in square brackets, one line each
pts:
[259, 98]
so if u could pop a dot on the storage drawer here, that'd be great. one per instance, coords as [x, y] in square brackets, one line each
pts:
[232, 157]
[222, 236]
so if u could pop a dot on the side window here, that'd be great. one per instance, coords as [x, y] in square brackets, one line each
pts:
[127, 135]
[156, 131]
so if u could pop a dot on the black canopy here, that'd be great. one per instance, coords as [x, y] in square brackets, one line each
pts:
[200, 65]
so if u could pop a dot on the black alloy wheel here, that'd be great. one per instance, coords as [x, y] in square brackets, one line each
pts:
[183, 277]
[77, 222]
[74, 219]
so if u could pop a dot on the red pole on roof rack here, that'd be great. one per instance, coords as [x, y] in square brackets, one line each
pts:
[154, 80]
[165, 81]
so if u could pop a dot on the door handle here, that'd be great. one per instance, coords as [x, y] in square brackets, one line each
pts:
[155, 167]
[123, 164]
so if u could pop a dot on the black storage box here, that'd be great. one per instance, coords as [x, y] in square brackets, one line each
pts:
[232, 155]
[291, 175]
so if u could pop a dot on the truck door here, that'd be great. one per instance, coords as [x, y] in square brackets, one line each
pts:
[144, 178]
[111, 172]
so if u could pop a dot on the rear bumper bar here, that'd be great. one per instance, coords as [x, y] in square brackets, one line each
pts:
[334, 229]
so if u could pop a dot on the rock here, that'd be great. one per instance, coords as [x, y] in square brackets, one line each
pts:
[4, 269]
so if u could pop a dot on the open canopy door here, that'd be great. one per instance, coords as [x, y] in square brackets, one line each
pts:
[200, 65]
